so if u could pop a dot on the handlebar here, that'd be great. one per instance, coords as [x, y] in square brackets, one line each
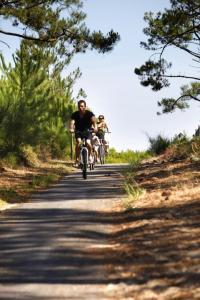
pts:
[85, 131]
[92, 130]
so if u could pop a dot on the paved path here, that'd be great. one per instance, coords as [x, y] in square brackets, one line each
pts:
[54, 247]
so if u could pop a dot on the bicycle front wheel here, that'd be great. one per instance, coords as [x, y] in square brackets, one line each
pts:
[84, 159]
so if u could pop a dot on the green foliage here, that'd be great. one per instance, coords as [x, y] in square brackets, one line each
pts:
[29, 156]
[131, 187]
[8, 195]
[158, 144]
[169, 105]
[147, 74]
[188, 93]
[177, 27]
[22, 100]
[35, 102]
[178, 147]
[133, 191]
[10, 160]
[26, 156]
[180, 138]
[128, 156]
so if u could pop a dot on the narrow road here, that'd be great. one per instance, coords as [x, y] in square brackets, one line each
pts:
[54, 247]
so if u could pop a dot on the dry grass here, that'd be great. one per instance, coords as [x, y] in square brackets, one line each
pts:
[157, 245]
[17, 184]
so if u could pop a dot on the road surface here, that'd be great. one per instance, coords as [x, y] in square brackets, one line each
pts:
[54, 247]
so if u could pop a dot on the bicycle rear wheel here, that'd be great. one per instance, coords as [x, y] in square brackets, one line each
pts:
[101, 154]
[84, 167]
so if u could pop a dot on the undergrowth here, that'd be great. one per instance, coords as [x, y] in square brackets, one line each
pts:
[128, 156]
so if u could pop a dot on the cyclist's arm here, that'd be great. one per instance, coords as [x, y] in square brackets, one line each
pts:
[94, 123]
[106, 127]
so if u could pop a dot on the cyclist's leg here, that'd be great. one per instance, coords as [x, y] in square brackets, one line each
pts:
[97, 148]
[104, 142]
[77, 149]
[89, 146]
[88, 137]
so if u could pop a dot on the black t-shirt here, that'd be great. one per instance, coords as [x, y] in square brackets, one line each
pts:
[84, 122]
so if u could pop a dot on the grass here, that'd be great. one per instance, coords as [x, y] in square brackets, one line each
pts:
[18, 193]
[8, 195]
[131, 187]
[43, 181]
[16, 189]
[134, 192]
[128, 156]
[133, 158]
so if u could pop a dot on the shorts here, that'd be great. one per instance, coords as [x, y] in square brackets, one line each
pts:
[100, 135]
[83, 134]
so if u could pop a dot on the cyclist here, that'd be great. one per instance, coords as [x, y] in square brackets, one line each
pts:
[102, 128]
[82, 122]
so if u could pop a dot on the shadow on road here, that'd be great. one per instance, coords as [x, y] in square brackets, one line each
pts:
[46, 246]
[101, 184]
[151, 248]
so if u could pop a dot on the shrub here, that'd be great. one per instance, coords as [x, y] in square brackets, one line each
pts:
[10, 160]
[29, 156]
[158, 144]
[180, 138]
[128, 156]
[184, 149]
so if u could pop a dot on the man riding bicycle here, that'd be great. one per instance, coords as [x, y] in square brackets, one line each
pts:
[82, 122]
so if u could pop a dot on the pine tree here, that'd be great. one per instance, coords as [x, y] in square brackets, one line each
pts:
[177, 27]
[35, 102]
[56, 24]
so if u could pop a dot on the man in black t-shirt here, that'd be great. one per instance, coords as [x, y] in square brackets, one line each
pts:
[82, 121]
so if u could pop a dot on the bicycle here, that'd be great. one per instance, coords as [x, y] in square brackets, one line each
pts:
[101, 151]
[84, 158]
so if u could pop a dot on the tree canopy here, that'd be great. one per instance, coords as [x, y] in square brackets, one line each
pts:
[35, 101]
[177, 27]
[54, 23]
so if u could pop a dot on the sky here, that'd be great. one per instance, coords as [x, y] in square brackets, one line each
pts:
[112, 87]
[114, 90]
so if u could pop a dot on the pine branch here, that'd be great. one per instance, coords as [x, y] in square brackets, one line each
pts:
[5, 43]
[27, 37]
[180, 76]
